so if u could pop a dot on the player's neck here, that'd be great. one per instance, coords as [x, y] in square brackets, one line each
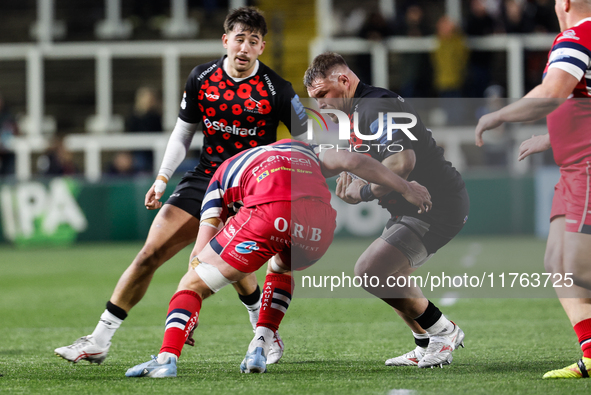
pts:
[239, 76]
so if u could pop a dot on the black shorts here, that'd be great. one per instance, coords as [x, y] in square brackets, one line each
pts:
[188, 194]
[439, 226]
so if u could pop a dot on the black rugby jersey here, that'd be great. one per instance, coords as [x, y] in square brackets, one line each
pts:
[238, 115]
[431, 169]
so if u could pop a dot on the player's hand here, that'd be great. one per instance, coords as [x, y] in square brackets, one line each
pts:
[419, 196]
[486, 122]
[190, 341]
[343, 183]
[152, 200]
[353, 192]
[533, 145]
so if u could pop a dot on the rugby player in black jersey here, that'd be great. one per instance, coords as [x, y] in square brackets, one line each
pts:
[409, 238]
[240, 102]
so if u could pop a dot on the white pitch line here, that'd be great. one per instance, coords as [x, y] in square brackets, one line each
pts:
[469, 260]
[449, 299]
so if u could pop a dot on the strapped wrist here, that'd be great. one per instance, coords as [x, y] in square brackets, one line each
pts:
[366, 193]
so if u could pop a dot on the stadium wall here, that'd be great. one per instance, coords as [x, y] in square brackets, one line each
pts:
[66, 210]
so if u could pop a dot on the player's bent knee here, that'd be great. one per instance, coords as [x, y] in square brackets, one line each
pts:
[581, 274]
[553, 261]
[275, 268]
[210, 275]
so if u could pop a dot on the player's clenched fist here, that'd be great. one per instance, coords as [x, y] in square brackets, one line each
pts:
[419, 196]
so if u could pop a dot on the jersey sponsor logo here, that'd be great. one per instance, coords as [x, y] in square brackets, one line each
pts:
[568, 34]
[184, 101]
[243, 132]
[202, 75]
[246, 247]
[297, 230]
[255, 107]
[560, 54]
[270, 84]
[230, 231]
[298, 107]
[212, 96]
[263, 175]
[293, 160]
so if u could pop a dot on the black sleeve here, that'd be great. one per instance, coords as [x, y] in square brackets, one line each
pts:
[190, 111]
[384, 147]
[291, 111]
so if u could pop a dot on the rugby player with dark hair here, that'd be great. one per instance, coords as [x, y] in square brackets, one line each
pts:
[409, 238]
[240, 102]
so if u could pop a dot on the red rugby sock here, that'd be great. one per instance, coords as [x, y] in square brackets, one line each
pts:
[583, 331]
[276, 298]
[183, 312]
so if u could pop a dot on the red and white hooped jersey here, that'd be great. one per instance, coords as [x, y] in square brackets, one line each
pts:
[569, 125]
[283, 171]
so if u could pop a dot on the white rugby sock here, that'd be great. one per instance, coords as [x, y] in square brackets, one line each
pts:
[253, 313]
[106, 328]
[263, 337]
[163, 357]
[442, 326]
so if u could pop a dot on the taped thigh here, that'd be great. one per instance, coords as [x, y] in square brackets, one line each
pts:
[211, 276]
[405, 233]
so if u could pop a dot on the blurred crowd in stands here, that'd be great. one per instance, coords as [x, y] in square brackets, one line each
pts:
[451, 70]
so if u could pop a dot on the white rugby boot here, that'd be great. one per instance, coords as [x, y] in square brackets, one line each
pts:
[84, 349]
[276, 350]
[411, 358]
[440, 348]
[154, 369]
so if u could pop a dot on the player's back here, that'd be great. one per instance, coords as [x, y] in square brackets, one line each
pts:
[568, 125]
[283, 171]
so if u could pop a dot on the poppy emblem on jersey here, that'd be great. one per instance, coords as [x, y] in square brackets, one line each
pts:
[246, 247]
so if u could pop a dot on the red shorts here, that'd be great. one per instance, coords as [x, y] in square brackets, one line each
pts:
[572, 197]
[300, 232]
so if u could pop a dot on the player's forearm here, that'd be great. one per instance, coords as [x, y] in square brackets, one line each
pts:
[538, 103]
[177, 147]
[383, 180]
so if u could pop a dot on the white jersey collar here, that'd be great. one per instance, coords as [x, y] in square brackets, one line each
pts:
[225, 66]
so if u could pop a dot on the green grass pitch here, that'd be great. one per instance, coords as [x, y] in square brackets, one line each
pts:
[50, 297]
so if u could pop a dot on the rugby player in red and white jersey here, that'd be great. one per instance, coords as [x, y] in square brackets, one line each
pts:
[564, 96]
[240, 101]
[283, 214]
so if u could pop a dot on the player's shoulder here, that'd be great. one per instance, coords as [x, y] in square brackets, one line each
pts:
[202, 71]
[579, 34]
[369, 91]
[372, 99]
[273, 81]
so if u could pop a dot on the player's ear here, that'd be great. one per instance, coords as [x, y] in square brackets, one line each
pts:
[225, 40]
[344, 80]
[262, 48]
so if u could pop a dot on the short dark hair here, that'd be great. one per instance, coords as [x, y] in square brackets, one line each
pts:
[250, 19]
[321, 65]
